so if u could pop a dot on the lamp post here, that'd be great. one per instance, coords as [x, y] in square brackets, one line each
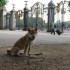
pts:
[37, 12]
[63, 10]
[57, 9]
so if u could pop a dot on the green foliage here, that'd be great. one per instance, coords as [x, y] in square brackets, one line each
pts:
[3, 2]
[32, 22]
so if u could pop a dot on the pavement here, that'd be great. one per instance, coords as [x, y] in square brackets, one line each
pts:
[49, 52]
[8, 38]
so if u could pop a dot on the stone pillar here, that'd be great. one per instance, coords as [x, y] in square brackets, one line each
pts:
[50, 16]
[7, 21]
[25, 18]
[12, 20]
[2, 18]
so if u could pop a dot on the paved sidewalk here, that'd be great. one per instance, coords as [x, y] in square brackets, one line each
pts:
[8, 38]
[48, 52]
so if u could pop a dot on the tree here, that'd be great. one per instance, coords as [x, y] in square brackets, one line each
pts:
[2, 3]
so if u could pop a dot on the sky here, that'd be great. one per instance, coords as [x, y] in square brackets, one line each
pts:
[20, 4]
